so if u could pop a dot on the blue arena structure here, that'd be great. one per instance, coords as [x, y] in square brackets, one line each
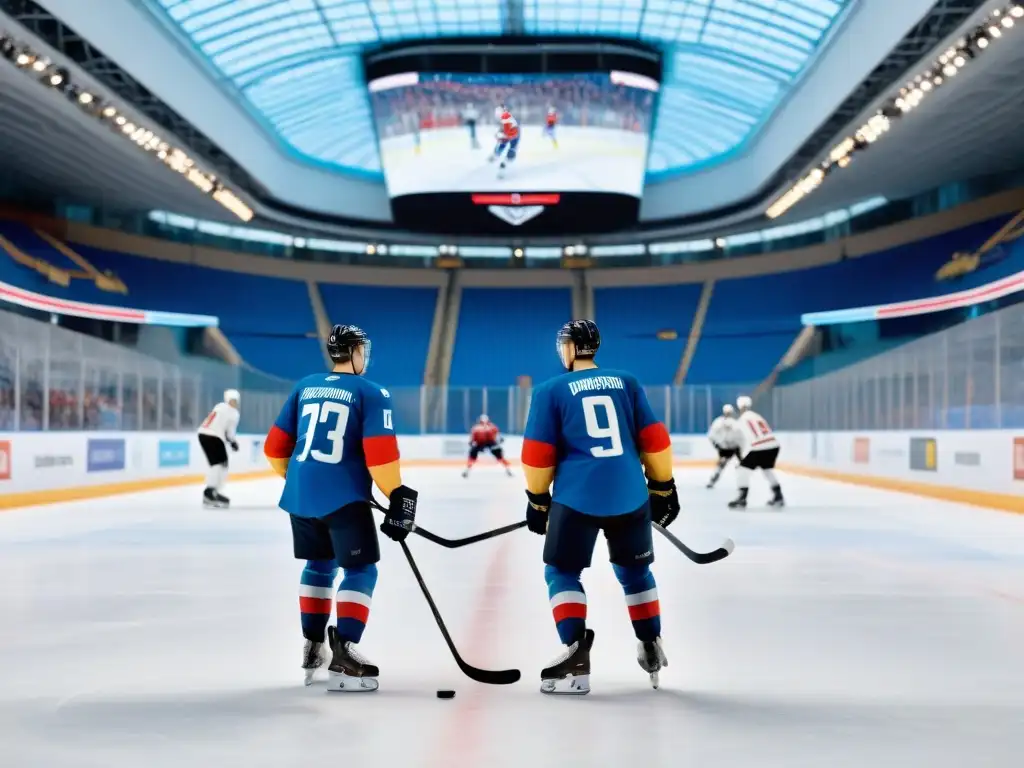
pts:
[297, 63]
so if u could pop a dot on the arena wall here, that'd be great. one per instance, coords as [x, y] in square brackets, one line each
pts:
[984, 468]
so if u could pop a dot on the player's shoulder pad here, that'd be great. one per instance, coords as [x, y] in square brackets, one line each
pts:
[372, 388]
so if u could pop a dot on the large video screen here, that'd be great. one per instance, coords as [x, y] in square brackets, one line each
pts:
[451, 133]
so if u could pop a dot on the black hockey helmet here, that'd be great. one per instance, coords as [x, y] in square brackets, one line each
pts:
[344, 340]
[582, 335]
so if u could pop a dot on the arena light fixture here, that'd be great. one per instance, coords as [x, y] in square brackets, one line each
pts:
[174, 158]
[904, 99]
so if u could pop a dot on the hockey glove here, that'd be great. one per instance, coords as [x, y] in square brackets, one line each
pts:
[234, 446]
[537, 512]
[664, 501]
[401, 515]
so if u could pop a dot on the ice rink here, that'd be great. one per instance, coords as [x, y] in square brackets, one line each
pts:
[854, 628]
[586, 160]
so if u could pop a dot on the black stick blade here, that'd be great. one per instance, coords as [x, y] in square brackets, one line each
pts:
[700, 558]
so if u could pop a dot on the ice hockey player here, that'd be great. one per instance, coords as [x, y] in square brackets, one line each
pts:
[485, 437]
[470, 117]
[758, 449]
[592, 433]
[334, 436]
[549, 125]
[506, 141]
[216, 433]
[723, 436]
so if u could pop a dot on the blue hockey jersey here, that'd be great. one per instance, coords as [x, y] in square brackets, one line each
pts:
[591, 426]
[332, 429]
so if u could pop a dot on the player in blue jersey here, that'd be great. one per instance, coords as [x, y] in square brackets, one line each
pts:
[334, 437]
[593, 434]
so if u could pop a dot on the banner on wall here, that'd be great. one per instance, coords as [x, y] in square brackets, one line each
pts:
[5, 459]
[924, 454]
[105, 455]
[173, 453]
[1018, 458]
[862, 450]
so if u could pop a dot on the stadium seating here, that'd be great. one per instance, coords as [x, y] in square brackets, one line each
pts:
[630, 319]
[752, 321]
[398, 321]
[25, 240]
[504, 333]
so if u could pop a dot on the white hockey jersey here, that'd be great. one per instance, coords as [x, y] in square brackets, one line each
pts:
[754, 432]
[222, 422]
[723, 433]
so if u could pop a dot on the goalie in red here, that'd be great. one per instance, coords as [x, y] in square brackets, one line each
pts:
[485, 437]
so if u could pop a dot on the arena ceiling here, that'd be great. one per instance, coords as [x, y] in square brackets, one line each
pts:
[728, 64]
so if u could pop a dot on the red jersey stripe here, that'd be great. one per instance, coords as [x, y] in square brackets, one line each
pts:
[654, 438]
[315, 604]
[353, 611]
[380, 450]
[569, 611]
[279, 444]
[538, 454]
[644, 611]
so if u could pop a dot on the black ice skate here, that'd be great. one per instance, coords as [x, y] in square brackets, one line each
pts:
[651, 658]
[465, 472]
[740, 502]
[213, 499]
[313, 658]
[222, 500]
[777, 500]
[569, 674]
[349, 672]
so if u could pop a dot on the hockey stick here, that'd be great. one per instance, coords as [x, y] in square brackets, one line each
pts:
[490, 677]
[700, 558]
[456, 543]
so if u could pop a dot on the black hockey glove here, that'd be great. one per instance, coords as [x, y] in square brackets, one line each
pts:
[664, 501]
[401, 515]
[234, 446]
[537, 512]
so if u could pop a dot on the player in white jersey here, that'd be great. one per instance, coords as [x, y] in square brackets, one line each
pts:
[215, 433]
[759, 449]
[723, 435]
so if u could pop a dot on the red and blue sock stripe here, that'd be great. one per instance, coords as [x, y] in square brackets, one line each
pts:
[355, 594]
[568, 603]
[316, 597]
[642, 600]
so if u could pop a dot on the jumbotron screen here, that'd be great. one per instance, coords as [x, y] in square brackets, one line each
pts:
[474, 133]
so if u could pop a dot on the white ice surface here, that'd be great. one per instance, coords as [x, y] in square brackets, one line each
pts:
[854, 628]
[586, 160]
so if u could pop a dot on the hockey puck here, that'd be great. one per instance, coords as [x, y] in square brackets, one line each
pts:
[446, 694]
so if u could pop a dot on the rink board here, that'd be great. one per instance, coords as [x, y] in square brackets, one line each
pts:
[985, 468]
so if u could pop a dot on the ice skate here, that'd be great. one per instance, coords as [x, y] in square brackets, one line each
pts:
[651, 658]
[501, 171]
[212, 500]
[508, 471]
[777, 500]
[314, 656]
[465, 472]
[740, 502]
[569, 674]
[222, 500]
[348, 671]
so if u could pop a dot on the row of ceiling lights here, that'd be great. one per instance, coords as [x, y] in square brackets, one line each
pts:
[175, 158]
[942, 70]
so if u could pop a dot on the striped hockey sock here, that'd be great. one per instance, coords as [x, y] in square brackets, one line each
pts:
[316, 591]
[354, 597]
[568, 603]
[642, 600]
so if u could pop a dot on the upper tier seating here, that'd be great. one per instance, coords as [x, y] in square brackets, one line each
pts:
[629, 319]
[505, 333]
[752, 321]
[398, 322]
